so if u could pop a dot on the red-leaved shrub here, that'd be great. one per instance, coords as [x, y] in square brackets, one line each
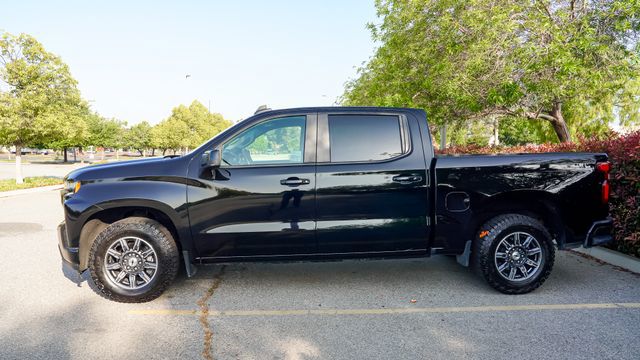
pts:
[624, 154]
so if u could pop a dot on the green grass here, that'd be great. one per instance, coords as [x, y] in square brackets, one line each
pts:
[31, 182]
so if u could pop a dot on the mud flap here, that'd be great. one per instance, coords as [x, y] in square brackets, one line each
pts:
[463, 259]
[191, 269]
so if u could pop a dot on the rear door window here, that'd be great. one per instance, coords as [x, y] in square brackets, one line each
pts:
[364, 137]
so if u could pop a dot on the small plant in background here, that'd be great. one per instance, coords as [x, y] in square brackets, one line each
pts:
[624, 154]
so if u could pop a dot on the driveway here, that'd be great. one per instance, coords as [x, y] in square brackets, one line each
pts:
[390, 309]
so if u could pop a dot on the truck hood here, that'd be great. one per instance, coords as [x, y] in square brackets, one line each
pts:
[130, 168]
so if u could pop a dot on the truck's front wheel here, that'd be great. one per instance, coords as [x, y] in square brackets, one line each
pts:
[133, 260]
[514, 253]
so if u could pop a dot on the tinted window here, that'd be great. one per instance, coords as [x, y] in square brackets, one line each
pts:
[364, 137]
[276, 141]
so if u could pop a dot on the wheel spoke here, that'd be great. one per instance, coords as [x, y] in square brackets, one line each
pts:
[527, 241]
[132, 281]
[150, 265]
[120, 276]
[524, 271]
[501, 255]
[136, 245]
[114, 253]
[114, 266]
[503, 267]
[534, 251]
[124, 245]
[144, 277]
[512, 273]
[531, 263]
[147, 253]
[516, 239]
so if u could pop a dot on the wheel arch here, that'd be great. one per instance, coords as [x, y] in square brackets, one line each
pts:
[538, 204]
[108, 214]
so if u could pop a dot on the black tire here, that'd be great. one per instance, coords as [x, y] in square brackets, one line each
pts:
[485, 258]
[155, 235]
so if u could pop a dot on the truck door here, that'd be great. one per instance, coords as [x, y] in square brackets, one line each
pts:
[371, 184]
[261, 201]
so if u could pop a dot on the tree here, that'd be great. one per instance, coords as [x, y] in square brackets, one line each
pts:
[105, 133]
[39, 99]
[202, 124]
[170, 134]
[74, 130]
[556, 61]
[187, 127]
[139, 137]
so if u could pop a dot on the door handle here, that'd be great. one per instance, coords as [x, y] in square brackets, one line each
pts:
[405, 179]
[294, 181]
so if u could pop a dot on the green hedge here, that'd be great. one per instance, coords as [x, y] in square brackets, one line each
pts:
[624, 154]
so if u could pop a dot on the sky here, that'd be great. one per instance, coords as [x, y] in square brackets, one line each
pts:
[132, 58]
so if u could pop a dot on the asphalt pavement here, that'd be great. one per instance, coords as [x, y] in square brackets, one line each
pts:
[388, 309]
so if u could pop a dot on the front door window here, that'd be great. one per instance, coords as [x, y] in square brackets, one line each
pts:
[273, 142]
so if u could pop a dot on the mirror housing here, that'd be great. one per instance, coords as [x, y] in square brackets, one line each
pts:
[212, 158]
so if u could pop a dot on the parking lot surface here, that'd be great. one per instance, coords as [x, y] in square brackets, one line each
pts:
[388, 309]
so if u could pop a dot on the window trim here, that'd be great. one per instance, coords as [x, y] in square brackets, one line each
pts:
[324, 141]
[309, 152]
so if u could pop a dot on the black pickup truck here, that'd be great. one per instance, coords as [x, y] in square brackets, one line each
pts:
[329, 183]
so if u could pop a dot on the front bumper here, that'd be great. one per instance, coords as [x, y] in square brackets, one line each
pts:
[599, 233]
[69, 254]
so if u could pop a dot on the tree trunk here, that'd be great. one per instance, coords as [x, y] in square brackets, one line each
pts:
[102, 156]
[164, 151]
[19, 179]
[64, 152]
[496, 132]
[559, 125]
[153, 152]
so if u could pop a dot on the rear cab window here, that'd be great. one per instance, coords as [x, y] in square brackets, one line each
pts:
[365, 138]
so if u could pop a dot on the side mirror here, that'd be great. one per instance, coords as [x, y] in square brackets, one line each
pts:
[212, 158]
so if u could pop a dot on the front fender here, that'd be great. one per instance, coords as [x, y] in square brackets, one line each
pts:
[102, 197]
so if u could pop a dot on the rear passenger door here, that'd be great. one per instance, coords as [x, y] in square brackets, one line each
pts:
[371, 184]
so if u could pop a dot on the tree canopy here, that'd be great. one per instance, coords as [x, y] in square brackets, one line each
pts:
[574, 64]
[188, 127]
[139, 137]
[39, 100]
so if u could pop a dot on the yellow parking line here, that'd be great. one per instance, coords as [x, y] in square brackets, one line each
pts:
[430, 310]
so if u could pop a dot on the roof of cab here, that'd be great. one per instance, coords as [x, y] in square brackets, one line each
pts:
[335, 109]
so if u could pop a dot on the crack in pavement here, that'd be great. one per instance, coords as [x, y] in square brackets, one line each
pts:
[203, 304]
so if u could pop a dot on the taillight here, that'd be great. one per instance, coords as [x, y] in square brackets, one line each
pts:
[604, 168]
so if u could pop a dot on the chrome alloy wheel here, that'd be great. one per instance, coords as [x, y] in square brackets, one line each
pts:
[518, 256]
[131, 263]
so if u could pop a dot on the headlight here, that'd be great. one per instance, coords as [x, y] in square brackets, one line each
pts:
[72, 186]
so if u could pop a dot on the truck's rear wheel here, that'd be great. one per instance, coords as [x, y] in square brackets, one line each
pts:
[514, 253]
[133, 260]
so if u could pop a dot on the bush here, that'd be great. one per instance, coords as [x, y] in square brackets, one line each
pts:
[624, 154]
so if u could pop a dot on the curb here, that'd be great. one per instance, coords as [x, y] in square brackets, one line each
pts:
[611, 257]
[34, 190]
